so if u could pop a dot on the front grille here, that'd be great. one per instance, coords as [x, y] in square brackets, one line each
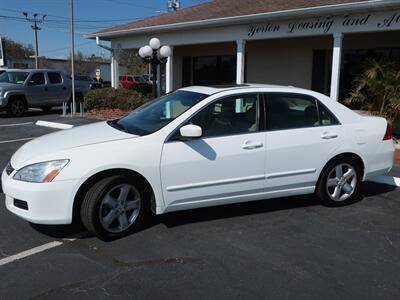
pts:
[9, 168]
[21, 204]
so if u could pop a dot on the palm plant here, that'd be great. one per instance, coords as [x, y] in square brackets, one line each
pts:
[377, 88]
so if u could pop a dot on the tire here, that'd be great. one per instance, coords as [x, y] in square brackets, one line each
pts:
[334, 187]
[46, 108]
[104, 215]
[16, 107]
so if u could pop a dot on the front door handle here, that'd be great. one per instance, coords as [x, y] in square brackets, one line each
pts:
[249, 145]
[329, 135]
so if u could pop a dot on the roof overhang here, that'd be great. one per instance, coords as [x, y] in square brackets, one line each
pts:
[283, 14]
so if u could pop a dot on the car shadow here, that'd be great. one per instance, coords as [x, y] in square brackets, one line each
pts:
[33, 113]
[180, 218]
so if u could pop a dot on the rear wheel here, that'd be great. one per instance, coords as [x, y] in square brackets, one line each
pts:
[113, 207]
[16, 107]
[339, 183]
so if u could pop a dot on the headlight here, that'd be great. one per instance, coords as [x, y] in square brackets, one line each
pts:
[41, 172]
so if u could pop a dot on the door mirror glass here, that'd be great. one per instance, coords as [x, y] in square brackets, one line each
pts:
[191, 131]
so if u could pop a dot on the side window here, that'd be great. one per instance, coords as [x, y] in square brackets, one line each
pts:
[326, 117]
[289, 111]
[37, 79]
[54, 77]
[232, 115]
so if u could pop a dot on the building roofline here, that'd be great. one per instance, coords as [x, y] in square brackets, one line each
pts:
[309, 11]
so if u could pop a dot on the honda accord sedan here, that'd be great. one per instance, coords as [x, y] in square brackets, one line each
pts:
[197, 147]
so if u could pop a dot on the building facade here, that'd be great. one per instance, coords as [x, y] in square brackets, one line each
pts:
[317, 44]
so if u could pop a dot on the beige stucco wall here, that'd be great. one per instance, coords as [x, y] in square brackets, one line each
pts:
[283, 61]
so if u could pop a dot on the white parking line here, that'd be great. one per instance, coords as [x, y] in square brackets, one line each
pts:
[16, 124]
[29, 252]
[17, 140]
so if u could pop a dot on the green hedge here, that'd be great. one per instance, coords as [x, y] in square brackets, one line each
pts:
[114, 99]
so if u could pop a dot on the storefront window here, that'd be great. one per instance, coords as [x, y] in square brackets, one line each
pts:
[212, 70]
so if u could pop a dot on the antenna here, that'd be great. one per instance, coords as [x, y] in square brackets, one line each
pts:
[173, 5]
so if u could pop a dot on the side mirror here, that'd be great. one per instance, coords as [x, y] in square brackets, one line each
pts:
[191, 131]
[31, 82]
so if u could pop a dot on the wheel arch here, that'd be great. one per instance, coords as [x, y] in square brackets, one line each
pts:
[352, 155]
[83, 188]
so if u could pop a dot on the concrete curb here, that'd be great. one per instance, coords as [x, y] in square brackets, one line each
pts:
[395, 181]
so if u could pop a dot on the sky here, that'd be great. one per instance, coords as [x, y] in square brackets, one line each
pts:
[90, 16]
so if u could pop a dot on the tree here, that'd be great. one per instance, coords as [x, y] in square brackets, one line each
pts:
[377, 88]
[17, 50]
[83, 65]
[132, 62]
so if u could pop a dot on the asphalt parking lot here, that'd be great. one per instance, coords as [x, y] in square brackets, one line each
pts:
[287, 248]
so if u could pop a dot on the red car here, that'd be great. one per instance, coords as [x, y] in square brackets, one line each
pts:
[130, 81]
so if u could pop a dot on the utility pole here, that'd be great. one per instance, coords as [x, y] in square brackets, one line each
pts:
[35, 28]
[73, 108]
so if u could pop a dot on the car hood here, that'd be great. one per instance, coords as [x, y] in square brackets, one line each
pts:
[8, 85]
[79, 136]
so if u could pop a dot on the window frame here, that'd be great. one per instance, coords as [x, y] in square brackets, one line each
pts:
[318, 104]
[174, 136]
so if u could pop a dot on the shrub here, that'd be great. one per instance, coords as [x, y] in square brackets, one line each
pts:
[377, 88]
[110, 98]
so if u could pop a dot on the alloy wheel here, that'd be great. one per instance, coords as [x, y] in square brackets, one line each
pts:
[341, 182]
[120, 208]
[17, 107]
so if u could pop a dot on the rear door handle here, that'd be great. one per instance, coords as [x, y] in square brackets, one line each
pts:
[249, 145]
[329, 135]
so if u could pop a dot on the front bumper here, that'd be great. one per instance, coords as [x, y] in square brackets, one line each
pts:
[48, 203]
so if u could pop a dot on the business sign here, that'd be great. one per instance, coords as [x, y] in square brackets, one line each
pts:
[328, 25]
[2, 53]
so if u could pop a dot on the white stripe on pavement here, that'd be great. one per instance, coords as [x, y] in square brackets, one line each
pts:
[29, 252]
[54, 125]
[395, 181]
[16, 124]
[17, 140]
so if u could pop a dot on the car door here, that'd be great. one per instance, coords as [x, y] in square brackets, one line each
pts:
[37, 90]
[57, 89]
[225, 165]
[302, 134]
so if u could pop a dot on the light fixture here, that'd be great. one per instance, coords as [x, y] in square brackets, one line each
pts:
[155, 43]
[165, 51]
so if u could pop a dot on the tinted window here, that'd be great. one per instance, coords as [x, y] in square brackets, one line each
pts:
[232, 115]
[54, 77]
[156, 114]
[37, 79]
[289, 111]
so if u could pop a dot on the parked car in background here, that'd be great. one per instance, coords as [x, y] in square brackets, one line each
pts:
[21, 89]
[130, 81]
[148, 78]
[89, 81]
[198, 147]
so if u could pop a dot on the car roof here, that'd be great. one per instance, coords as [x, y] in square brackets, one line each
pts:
[32, 70]
[209, 90]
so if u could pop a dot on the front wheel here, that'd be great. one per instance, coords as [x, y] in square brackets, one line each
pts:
[16, 107]
[113, 207]
[340, 182]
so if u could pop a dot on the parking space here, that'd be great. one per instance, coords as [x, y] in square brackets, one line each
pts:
[287, 248]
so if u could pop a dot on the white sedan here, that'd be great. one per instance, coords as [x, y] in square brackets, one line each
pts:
[197, 147]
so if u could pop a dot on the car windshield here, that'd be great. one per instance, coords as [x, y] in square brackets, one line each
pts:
[14, 77]
[154, 115]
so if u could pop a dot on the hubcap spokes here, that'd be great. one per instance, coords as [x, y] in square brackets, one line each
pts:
[341, 183]
[119, 208]
[17, 107]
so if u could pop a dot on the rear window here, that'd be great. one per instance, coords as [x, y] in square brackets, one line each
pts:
[54, 77]
[129, 78]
